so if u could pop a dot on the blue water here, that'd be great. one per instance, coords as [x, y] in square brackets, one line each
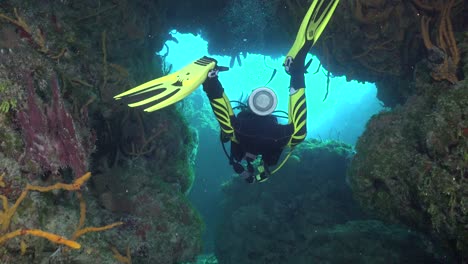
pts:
[342, 116]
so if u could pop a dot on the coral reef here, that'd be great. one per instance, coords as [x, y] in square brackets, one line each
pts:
[61, 62]
[160, 226]
[411, 165]
[6, 216]
[137, 136]
[305, 213]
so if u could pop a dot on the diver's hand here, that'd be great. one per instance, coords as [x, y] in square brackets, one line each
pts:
[213, 73]
[296, 67]
[287, 64]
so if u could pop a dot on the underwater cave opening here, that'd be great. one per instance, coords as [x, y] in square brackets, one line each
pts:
[339, 113]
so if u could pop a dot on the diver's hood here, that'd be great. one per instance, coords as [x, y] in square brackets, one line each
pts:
[263, 101]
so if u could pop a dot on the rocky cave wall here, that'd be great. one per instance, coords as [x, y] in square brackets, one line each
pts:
[61, 62]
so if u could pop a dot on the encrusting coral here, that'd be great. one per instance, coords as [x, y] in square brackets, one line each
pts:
[411, 165]
[8, 212]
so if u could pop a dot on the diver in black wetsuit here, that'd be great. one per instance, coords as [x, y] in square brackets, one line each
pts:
[255, 131]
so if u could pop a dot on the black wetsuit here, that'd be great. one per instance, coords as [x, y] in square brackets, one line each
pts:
[258, 135]
[261, 135]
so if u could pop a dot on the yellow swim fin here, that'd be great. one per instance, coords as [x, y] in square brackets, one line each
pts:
[312, 26]
[167, 90]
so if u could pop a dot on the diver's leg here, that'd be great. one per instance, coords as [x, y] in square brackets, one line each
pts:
[297, 99]
[220, 105]
[312, 26]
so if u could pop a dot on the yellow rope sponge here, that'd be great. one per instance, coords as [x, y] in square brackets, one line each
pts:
[39, 233]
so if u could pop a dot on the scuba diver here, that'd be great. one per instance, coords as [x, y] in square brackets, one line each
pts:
[254, 132]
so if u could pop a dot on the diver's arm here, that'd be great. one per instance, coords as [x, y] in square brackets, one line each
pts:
[297, 99]
[221, 107]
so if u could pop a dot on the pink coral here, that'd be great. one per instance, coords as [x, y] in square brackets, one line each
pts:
[50, 133]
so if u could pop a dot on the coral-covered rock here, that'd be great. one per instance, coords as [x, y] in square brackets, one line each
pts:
[411, 165]
[160, 224]
[61, 63]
